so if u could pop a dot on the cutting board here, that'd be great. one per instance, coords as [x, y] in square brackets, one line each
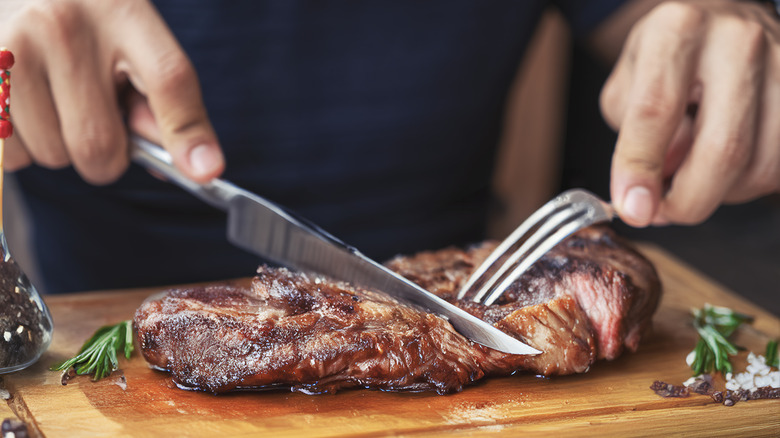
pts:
[612, 398]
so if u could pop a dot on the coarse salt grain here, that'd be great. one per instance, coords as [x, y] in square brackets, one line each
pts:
[690, 358]
[758, 374]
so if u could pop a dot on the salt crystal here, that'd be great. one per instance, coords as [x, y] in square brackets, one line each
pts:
[690, 358]
[755, 368]
[757, 375]
[121, 382]
[774, 379]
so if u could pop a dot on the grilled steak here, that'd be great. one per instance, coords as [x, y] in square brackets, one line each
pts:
[590, 298]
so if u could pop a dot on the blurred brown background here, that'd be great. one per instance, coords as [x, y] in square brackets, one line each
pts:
[555, 139]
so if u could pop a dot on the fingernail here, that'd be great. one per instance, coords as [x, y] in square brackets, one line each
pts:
[638, 205]
[205, 160]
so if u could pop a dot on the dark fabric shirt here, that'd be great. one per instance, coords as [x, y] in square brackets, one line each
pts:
[377, 120]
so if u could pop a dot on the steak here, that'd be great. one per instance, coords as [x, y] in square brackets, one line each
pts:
[590, 298]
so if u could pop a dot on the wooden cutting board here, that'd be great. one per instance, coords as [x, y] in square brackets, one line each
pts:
[613, 398]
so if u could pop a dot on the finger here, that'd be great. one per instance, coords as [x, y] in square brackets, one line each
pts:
[613, 108]
[613, 98]
[762, 176]
[678, 148]
[727, 118]
[15, 156]
[85, 97]
[160, 69]
[662, 78]
[33, 114]
[140, 118]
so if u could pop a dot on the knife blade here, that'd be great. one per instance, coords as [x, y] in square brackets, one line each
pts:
[280, 236]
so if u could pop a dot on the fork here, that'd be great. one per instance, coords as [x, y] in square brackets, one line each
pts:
[556, 220]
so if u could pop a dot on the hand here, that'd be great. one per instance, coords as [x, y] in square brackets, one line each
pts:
[73, 60]
[696, 97]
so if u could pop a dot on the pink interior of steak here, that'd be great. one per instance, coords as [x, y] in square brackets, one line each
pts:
[589, 298]
[616, 290]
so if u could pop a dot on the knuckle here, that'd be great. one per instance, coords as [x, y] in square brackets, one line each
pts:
[641, 164]
[52, 158]
[765, 179]
[678, 17]
[60, 21]
[48, 152]
[91, 143]
[644, 165]
[763, 186]
[96, 152]
[657, 102]
[174, 71]
[730, 151]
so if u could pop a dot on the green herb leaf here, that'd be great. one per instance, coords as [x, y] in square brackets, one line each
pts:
[99, 354]
[715, 325]
[771, 354]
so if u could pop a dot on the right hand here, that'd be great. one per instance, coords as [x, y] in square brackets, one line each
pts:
[73, 59]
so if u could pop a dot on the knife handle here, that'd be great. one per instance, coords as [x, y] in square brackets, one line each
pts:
[156, 159]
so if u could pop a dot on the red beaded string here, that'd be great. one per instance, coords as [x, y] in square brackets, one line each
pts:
[6, 129]
[6, 62]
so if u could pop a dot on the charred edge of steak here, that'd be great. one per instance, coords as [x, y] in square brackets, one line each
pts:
[305, 333]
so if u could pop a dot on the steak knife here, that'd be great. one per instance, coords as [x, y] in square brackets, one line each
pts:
[278, 235]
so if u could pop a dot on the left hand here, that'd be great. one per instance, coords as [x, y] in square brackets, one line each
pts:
[695, 95]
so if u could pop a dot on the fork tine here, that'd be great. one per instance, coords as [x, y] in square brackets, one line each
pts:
[544, 232]
[551, 207]
[532, 257]
[562, 216]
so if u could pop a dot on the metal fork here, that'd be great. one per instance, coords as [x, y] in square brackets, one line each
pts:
[564, 215]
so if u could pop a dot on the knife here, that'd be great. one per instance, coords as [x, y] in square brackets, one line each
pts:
[280, 236]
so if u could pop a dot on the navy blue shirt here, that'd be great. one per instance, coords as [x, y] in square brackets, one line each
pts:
[377, 120]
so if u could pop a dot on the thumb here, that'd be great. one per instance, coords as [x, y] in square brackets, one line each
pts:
[159, 68]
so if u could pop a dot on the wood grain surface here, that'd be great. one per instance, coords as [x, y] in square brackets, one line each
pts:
[613, 398]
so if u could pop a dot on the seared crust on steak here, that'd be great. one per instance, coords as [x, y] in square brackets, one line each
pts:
[290, 329]
[590, 298]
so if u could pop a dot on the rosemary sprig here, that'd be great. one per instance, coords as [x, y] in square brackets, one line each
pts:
[715, 325]
[771, 354]
[99, 354]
